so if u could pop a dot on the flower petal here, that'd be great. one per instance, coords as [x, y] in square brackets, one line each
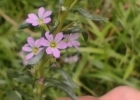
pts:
[25, 48]
[38, 43]
[56, 53]
[67, 36]
[26, 45]
[74, 36]
[58, 37]
[47, 13]
[75, 58]
[50, 37]
[35, 23]
[75, 43]
[32, 16]
[30, 41]
[69, 44]
[44, 42]
[49, 50]
[46, 20]
[29, 20]
[41, 11]
[29, 56]
[61, 45]
[46, 34]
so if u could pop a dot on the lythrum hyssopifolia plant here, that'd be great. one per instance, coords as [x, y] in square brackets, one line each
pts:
[41, 54]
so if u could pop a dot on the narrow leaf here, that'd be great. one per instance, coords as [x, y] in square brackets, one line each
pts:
[11, 95]
[25, 95]
[54, 27]
[12, 73]
[24, 79]
[67, 79]
[77, 29]
[84, 34]
[36, 58]
[89, 15]
[68, 26]
[73, 30]
[129, 68]
[24, 25]
[61, 2]
[63, 86]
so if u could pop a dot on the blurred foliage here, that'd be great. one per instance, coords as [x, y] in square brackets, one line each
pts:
[109, 58]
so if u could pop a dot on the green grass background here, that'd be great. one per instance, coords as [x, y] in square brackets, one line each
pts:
[108, 59]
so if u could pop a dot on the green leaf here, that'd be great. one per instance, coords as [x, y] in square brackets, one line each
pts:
[67, 79]
[129, 68]
[77, 29]
[24, 79]
[68, 26]
[36, 58]
[84, 34]
[24, 25]
[63, 86]
[61, 2]
[3, 82]
[89, 15]
[12, 95]
[54, 27]
[12, 73]
[25, 95]
[27, 67]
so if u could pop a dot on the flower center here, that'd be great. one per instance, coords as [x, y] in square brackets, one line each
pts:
[35, 50]
[53, 44]
[40, 21]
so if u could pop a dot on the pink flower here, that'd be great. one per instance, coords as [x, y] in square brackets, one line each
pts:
[43, 17]
[71, 59]
[32, 48]
[41, 80]
[53, 44]
[71, 40]
[22, 55]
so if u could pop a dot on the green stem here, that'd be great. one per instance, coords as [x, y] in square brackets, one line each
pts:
[40, 74]
[72, 5]
[63, 14]
[45, 27]
[86, 88]
[62, 18]
[68, 26]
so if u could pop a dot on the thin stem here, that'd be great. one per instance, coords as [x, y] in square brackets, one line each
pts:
[62, 18]
[72, 5]
[63, 14]
[86, 88]
[45, 27]
[40, 74]
[69, 25]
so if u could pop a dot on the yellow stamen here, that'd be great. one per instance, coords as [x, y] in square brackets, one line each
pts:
[35, 50]
[53, 44]
[40, 21]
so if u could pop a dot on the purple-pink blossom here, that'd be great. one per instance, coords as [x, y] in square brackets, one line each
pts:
[71, 40]
[41, 80]
[41, 18]
[71, 59]
[22, 55]
[32, 47]
[53, 44]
